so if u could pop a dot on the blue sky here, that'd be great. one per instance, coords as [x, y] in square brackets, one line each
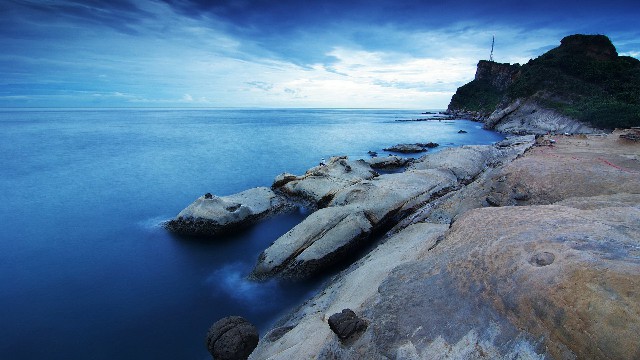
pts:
[287, 53]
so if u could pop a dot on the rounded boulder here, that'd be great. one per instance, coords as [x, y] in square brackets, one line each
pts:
[232, 338]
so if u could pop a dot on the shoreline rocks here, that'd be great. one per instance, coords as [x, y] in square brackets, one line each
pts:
[211, 215]
[411, 148]
[553, 277]
[514, 249]
[232, 338]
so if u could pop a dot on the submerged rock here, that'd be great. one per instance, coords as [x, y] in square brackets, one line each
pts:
[232, 338]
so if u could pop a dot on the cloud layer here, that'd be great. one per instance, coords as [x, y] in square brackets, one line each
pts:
[287, 53]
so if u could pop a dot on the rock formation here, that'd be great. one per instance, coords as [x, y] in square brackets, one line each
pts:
[579, 87]
[356, 212]
[210, 215]
[554, 277]
[232, 338]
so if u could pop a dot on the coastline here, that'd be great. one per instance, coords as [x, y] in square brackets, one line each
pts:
[427, 291]
[426, 277]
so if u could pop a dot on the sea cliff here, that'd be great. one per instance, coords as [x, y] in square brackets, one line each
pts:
[581, 86]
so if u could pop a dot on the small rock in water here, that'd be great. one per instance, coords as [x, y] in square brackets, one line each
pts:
[462, 132]
[208, 196]
[429, 145]
[346, 324]
[232, 338]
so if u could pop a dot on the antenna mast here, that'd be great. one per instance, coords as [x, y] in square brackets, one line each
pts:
[493, 41]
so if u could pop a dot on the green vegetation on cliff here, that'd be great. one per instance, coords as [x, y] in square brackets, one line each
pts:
[477, 96]
[583, 78]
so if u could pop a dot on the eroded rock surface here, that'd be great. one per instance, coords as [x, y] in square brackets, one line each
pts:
[210, 214]
[388, 162]
[356, 212]
[554, 281]
[320, 183]
[232, 338]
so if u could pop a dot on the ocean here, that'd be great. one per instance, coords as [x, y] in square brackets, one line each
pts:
[87, 271]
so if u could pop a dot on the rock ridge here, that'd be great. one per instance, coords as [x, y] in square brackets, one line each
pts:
[550, 272]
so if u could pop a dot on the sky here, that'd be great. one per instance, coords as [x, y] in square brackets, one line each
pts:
[287, 53]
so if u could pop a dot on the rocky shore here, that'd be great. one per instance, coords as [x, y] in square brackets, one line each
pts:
[528, 248]
[537, 256]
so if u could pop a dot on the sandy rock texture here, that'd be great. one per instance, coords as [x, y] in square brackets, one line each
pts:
[320, 183]
[210, 214]
[554, 277]
[367, 207]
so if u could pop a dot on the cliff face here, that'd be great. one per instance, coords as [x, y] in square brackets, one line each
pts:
[498, 75]
[580, 86]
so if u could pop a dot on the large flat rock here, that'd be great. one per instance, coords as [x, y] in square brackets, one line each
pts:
[532, 282]
[575, 166]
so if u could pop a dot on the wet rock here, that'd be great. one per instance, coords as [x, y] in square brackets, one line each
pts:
[211, 215]
[461, 132]
[389, 162]
[353, 214]
[429, 145]
[232, 338]
[319, 183]
[347, 324]
[406, 148]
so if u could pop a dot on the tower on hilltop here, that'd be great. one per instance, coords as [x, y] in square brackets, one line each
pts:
[493, 41]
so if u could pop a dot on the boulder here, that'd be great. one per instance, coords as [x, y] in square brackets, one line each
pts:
[346, 324]
[232, 338]
[211, 215]
[323, 238]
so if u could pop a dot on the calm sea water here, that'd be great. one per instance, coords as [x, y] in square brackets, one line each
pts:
[86, 271]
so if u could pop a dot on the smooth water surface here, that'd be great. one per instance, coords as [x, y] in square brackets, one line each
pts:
[85, 269]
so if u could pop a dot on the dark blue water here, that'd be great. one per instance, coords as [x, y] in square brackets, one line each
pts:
[85, 270]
